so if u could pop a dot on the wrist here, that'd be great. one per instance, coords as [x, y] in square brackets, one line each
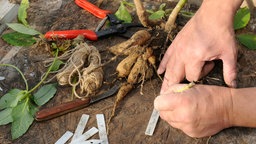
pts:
[219, 10]
[228, 104]
[227, 5]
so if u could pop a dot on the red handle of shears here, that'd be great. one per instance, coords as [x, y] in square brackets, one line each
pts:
[92, 8]
[71, 34]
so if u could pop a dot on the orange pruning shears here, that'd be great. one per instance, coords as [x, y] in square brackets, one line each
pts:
[92, 9]
[116, 26]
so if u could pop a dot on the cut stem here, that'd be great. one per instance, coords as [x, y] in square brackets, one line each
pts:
[188, 86]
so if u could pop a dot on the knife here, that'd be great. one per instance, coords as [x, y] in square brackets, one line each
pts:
[53, 112]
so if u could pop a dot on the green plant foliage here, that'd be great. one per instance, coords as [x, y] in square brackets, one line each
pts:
[11, 99]
[123, 14]
[18, 39]
[248, 40]
[23, 35]
[159, 14]
[187, 13]
[57, 65]
[22, 29]
[22, 118]
[6, 116]
[44, 94]
[22, 12]
[242, 18]
[18, 107]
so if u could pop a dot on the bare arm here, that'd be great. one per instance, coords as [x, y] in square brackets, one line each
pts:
[244, 107]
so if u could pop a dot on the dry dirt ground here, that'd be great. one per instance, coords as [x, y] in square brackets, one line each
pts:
[133, 113]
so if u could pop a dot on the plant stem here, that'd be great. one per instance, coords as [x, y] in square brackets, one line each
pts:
[127, 3]
[186, 87]
[46, 74]
[16, 68]
[250, 5]
[170, 24]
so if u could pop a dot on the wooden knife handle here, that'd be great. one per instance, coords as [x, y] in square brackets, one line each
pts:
[61, 109]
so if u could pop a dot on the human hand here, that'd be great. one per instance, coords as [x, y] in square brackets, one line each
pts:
[199, 111]
[208, 36]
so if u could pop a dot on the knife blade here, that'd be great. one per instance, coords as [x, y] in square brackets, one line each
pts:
[53, 112]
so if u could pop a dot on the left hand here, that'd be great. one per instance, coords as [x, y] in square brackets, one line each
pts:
[199, 111]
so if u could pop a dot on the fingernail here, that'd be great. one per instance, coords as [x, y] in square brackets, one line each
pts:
[234, 84]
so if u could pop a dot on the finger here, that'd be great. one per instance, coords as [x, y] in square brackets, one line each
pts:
[164, 61]
[167, 102]
[207, 68]
[174, 74]
[165, 86]
[229, 70]
[193, 71]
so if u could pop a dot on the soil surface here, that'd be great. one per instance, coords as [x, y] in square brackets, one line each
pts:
[133, 113]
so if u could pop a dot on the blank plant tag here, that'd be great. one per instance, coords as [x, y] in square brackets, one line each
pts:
[64, 138]
[152, 123]
[102, 128]
[80, 127]
[85, 136]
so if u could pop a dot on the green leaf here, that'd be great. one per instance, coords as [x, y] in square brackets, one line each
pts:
[248, 40]
[33, 109]
[22, 119]
[22, 29]
[128, 3]
[123, 14]
[187, 14]
[57, 65]
[157, 15]
[22, 12]
[44, 94]
[11, 99]
[6, 116]
[162, 6]
[242, 18]
[19, 39]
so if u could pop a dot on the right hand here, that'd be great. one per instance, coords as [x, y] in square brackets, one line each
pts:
[208, 36]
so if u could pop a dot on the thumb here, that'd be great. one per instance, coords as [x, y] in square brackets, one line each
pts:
[170, 99]
[166, 102]
[229, 71]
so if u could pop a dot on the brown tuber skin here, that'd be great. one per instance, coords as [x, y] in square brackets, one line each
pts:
[125, 66]
[123, 91]
[139, 38]
[135, 67]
